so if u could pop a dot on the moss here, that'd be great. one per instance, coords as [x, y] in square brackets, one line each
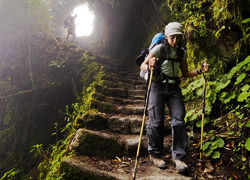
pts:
[107, 83]
[93, 72]
[102, 106]
[100, 145]
[72, 172]
[108, 78]
[91, 120]
[100, 97]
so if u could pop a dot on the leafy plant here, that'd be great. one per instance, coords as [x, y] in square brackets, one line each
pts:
[57, 64]
[211, 148]
[10, 174]
[228, 88]
[247, 144]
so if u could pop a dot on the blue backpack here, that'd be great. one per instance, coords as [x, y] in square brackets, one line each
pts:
[158, 38]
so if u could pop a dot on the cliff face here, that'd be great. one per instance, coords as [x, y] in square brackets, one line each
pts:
[32, 109]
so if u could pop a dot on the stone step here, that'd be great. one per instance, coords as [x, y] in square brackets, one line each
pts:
[115, 123]
[104, 93]
[119, 70]
[131, 109]
[131, 144]
[127, 73]
[117, 100]
[137, 92]
[100, 144]
[141, 86]
[125, 80]
[125, 124]
[110, 64]
[131, 124]
[103, 107]
[139, 97]
[112, 69]
[82, 168]
[119, 123]
[92, 120]
[120, 92]
[117, 84]
[109, 165]
[106, 145]
[109, 108]
[96, 144]
[124, 85]
[74, 168]
[112, 92]
[135, 76]
[133, 100]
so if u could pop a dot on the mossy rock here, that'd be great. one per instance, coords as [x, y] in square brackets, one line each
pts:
[92, 143]
[119, 124]
[91, 120]
[108, 83]
[75, 170]
[99, 97]
[108, 77]
[102, 106]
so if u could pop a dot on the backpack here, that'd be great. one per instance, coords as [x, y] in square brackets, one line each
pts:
[158, 38]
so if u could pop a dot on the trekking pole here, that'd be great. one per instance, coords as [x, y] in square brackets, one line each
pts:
[142, 126]
[203, 113]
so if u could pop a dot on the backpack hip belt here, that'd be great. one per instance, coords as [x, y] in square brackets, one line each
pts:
[166, 79]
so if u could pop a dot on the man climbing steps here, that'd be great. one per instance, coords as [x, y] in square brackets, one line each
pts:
[70, 24]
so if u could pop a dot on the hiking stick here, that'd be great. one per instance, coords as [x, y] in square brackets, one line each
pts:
[142, 126]
[203, 113]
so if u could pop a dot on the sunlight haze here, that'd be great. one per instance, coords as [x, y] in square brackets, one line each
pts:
[84, 20]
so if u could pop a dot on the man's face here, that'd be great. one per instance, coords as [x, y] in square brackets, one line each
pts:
[174, 39]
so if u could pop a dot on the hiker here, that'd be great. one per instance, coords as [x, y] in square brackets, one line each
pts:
[165, 60]
[70, 24]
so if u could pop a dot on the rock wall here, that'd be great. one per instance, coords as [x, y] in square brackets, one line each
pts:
[31, 111]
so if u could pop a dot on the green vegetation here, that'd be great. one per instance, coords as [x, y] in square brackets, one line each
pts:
[49, 168]
[230, 90]
[10, 174]
[217, 30]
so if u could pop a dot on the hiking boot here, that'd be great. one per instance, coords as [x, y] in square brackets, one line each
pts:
[158, 162]
[181, 166]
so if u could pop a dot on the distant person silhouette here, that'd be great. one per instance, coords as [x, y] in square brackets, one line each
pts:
[70, 24]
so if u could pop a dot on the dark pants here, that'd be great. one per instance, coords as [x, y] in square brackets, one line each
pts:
[170, 94]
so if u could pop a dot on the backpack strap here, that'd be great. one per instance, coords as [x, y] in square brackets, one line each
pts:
[164, 50]
[162, 58]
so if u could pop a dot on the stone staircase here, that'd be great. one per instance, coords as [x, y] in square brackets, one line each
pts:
[105, 145]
